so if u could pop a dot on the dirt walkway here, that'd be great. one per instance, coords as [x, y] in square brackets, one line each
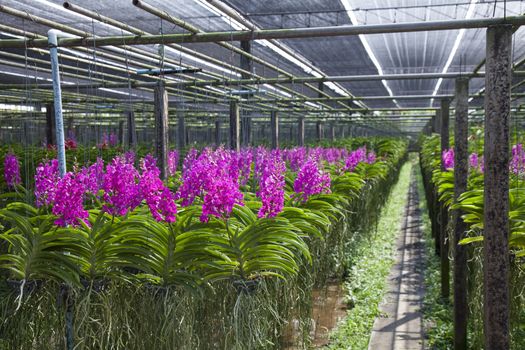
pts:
[401, 327]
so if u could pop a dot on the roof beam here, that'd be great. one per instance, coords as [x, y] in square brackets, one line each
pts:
[290, 33]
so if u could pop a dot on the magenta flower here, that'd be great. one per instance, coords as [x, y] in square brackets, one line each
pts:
[271, 186]
[473, 160]
[295, 157]
[173, 161]
[311, 180]
[93, 176]
[113, 139]
[447, 159]
[12, 170]
[129, 157]
[354, 158]
[148, 163]
[46, 181]
[195, 177]
[244, 164]
[221, 195]
[121, 189]
[371, 157]
[518, 159]
[68, 201]
[160, 200]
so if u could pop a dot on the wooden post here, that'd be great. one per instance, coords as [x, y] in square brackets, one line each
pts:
[235, 142]
[121, 133]
[181, 128]
[217, 132]
[161, 128]
[50, 124]
[443, 239]
[460, 186]
[332, 132]
[132, 131]
[300, 132]
[496, 199]
[274, 126]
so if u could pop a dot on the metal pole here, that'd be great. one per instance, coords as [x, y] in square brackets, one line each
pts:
[460, 186]
[252, 81]
[289, 33]
[496, 188]
[444, 246]
[274, 126]
[57, 99]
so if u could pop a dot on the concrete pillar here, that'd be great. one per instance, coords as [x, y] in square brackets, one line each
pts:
[274, 126]
[217, 132]
[181, 129]
[161, 129]
[319, 131]
[50, 124]
[443, 241]
[496, 199]
[132, 131]
[235, 141]
[300, 132]
[460, 186]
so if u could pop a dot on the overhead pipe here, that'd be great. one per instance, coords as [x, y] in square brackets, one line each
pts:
[270, 81]
[290, 33]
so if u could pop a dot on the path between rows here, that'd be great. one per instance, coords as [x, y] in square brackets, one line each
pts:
[400, 327]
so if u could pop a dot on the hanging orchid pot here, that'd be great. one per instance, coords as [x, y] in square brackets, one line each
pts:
[24, 286]
[247, 286]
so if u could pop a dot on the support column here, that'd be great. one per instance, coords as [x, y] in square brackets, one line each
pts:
[235, 142]
[460, 186]
[436, 122]
[161, 128]
[274, 126]
[121, 133]
[443, 239]
[300, 132]
[57, 101]
[50, 124]
[181, 129]
[332, 132]
[217, 132]
[319, 131]
[132, 131]
[496, 199]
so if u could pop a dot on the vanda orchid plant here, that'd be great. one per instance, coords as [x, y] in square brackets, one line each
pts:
[133, 248]
[106, 219]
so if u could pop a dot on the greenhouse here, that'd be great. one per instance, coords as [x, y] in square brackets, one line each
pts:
[244, 174]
